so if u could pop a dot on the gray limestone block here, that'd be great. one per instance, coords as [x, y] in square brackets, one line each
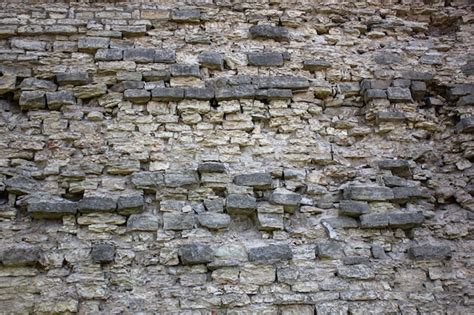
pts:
[467, 100]
[387, 58]
[199, 93]
[73, 78]
[461, 89]
[267, 59]
[211, 60]
[103, 253]
[130, 204]
[394, 165]
[185, 70]
[390, 116]
[404, 194]
[349, 88]
[56, 100]
[195, 254]
[156, 75]
[398, 94]
[368, 193]
[418, 89]
[235, 92]
[374, 221]
[404, 83]
[20, 255]
[430, 252]
[378, 252]
[356, 272]
[372, 94]
[32, 100]
[20, 185]
[167, 94]
[96, 204]
[181, 178]
[139, 55]
[28, 44]
[165, 56]
[51, 208]
[270, 221]
[405, 220]
[240, 204]
[211, 167]
[353, 208]
[186, 16]
[465, 125]
[288, 199]
[127, 85]
[270, 253]
[214, 205]
[263, 31]
[374, 84]
[176, 221]
[214, 220]
[147, 180]
[355, 260]
[256, 180]
[108, 55]
[7, 83]
[316, 64]
[417, 75]
[138, 96]
[329, 250]
[142, 223]
[92, 43]
[274, 94]
[281, 82]
[342, 222]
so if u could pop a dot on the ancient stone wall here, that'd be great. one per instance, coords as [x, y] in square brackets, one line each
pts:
[236, 157]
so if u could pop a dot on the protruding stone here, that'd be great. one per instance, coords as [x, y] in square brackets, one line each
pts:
[185, 70]
[147, 180]
[430, 252]
[195, 254]
[142, 223]
[240, 204]
[32, 100]
[57, 99]
[21, 185]
[390, 116]
[270, 253]
[96, 204]
[130, 204]
[103, 253]
[51, 208]
[211, 167]
[138, 96]
[353, 208]
[276, 33]
[398, 94]
[211, 60]
[72, 78]
[178, 221]
[213, 220]
[405, 220]
[167, 94]
[256, 180]
[368, 193]
[286, 198]
[265, 59]
[316, 65]
[374, 221]
[20, 255]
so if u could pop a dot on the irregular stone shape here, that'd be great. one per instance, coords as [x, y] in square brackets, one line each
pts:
[288, 199]
[316, 65]
[167, 94]
[467, 100]
[352, 208]
[92, 43]
[267, 59]
[182, 178]
[398, 94]
[96, 204]
[32, 100]
[178, 221]
[195, 254]
[273, 94]
[142, 223]
[349, 88]
[465, 125]
[185, 70]
[52, 208]
[21, 185]
[211, 60]
[374, 221]
[72, 78]
[56, 100]
[357, 272]
[240, 204]
[398, 167]
[165, 56]
[214, 221]
[276, 33]
[130, 204]
[368, 193]
[418, 89]
[378, 252]
[199, 93]
[270, 221]
[256, 180]
[355, 260]
[138, 96]
[139, 55]
[20, 255]
[281, 82]
[235, 92]
[405, 220]
[186, 16]
[387, 58]
[127, 85]
[270, 253]
[147, 180]
[329, 250]
[430, 252]
[341, 222]
[7, 83]
[109, 55]
[211, 167]
[103, 253]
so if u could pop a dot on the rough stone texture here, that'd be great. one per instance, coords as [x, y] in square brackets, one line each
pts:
[236, 157]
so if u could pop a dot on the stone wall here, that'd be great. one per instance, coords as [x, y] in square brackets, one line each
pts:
[224, 157]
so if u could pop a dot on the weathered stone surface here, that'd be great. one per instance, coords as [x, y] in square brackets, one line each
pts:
[316, 64]
[142, 223]
[185, 70]
[282, 82]
[165, 56]
[405, 220]
[286, 198]
[108, 55]
[178, 221]
[430, 252]
[270, 221]
[182, 178]
[353, 208]
[7, 83]
[20, 255]
[329, 250]
[240, 204]
[32, 100]
[51, 208]
[130, 204]
[359, 272]
[72, 78]
[103, 253]
[214, 221]
[20, 185]
[368, 193]
[398, 167]
[139, 55]
[270, 253]
[257, 275]
[56, 100]
[276, 33]
[376, 221]
[96, 204]
[137, 96]
[397, 94]
[167, 94]
[256, 180]
[211, 167]
[92, 43]
[211, 60]
[237, 92]
[186, 16]
[147, 180]
[265, 59]
[89, 91]
[199, 93]
[465, 125]
[273, 94]
[195, 254]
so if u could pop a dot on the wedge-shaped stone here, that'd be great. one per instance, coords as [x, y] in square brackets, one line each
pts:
[72, 78]
[186, 16]
[103, 253]
[368, 193]
[316, 65]
[281, 82]
[357, 272]
[147, 180]
[92, 43]
[109, 55]
[352, 208]
[130, 204]
[256, 180]
[96, 204]
[211, 60]
[20, 185]
[405, 220]
[167, 94]
[240, 204]
[51, 208]
[185, 70]
[270, 253]
[288, 199]
[165, 56]
[32, 100]
[211, 167]
[374, 221]
[465, 125]
[181, 178]
[178, 221]
[213, 220]
[276, 33]
[138, 96]
[235, 92]
[142, 223]
[20, 255]
[57, 99]
[430, 252]
[267, 59]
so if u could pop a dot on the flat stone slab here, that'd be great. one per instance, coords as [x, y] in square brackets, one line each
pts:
[195, 254]
[270, 253]
[51, 208]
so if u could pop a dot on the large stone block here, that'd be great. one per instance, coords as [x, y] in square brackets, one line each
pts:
[211, 60]
[211, 167]
[235, 92]
[32, 100]
[398, 167]
[405, 220]
[257, 275]
[142, 223]
[139, 55]
[96, 204]
[20, 185]
[199, 93]
[56, 100]
[288, 199]
[430, 252]
[167, 94]
[281, 82]
[165, 56]
[103, 253]
[138, 96]
[178, 221]
[130, 204]
[195, 254]
[181, 178]
[51, 208]
[368, 193]
[316, 64]
[20, 255]
[147, 180]
[398, 94]
[465, 125]
[7, 83]
[276, 33]
[270, 253]
[214, 220]
[186, 16]
[73, 78]
[356, 272]
[92, 43]
[374, 221]
[329, 250]
[267, 59]
[256, 180]
[353, 208]
[109, 55]
[240, 204]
